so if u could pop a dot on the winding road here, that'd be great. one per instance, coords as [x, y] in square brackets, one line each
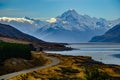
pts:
[55, 61]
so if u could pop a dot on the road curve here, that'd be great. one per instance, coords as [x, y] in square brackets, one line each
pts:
[55, 61]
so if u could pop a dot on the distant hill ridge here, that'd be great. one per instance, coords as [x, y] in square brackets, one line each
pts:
[112, 35]
[11, 32]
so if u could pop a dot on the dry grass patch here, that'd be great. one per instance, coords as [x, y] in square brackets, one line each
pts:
[73, 68]
[18, 64]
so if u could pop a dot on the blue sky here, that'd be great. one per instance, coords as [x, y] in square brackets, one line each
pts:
[109, 9]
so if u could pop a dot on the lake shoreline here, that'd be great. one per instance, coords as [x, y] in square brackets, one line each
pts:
[104, 53]
[90, 59]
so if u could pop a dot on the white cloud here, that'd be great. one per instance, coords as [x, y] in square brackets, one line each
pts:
[52, 20]
[8, 19]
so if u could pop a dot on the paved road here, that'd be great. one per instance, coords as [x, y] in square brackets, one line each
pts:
[55, 61]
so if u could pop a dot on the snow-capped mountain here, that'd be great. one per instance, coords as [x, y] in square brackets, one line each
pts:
[26, 24]
[73, 27]
[68, 27]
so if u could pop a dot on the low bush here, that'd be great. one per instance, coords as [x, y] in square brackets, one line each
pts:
[94, 74]
[69, 70]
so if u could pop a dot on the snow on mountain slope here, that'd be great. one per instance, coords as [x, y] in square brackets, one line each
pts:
[73, 27]
[25, 24]
[68, 27]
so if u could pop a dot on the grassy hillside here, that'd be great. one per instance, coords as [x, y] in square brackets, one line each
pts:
[74, 68]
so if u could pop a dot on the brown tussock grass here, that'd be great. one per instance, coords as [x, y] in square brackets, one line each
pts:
[78, 63]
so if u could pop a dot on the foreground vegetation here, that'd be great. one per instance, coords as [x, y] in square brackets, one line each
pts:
[15, 57]
[74, 68]
[93, 73]
[10, 50]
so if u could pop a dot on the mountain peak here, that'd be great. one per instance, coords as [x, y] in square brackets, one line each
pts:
[27, 18]
[70, 12]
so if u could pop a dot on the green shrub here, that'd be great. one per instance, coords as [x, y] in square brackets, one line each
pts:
[94, 74]
[69, 70]
[10, 50]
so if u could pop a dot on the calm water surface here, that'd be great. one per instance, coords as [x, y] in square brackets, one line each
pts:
[108, 53]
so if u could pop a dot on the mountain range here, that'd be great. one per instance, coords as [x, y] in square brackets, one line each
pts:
[112, 35]
[68, 27]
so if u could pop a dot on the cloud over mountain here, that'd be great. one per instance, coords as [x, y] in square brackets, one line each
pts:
[26, 24]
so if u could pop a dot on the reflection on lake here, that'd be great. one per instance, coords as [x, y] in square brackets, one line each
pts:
[108, 53]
